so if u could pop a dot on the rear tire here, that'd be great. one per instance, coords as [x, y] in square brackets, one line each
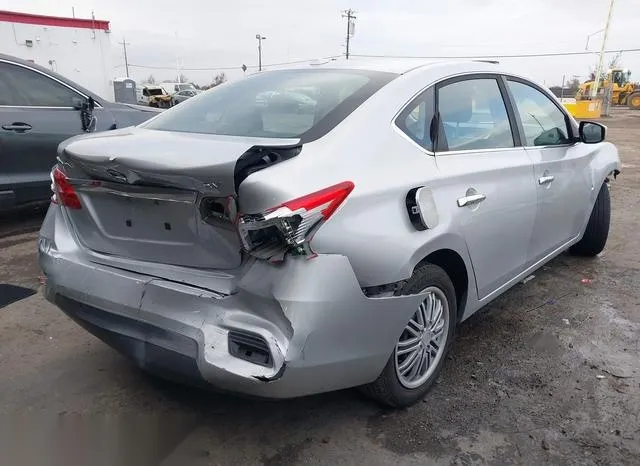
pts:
[634, 100]
[597, 231]
[392, 388]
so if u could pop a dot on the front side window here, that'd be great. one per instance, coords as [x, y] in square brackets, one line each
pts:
[544, 124]
[30, 88]
[473, 116]
[279, 104]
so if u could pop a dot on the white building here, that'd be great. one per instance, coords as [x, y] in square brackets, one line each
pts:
[79, 49]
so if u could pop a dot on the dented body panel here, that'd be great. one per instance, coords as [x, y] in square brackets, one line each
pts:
[322, 338]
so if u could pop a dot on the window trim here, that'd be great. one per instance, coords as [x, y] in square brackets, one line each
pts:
[511, 114]
[398, 121]
[570, 129]
[72, 89]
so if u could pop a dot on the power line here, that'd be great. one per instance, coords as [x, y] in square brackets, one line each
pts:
[475, 57]
[349, 14]
[226, 68]
[433, 57]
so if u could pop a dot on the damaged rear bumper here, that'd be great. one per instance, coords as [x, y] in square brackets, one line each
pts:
[310, 317]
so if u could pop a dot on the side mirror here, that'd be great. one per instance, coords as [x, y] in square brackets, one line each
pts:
[591, 132]
[86, 115]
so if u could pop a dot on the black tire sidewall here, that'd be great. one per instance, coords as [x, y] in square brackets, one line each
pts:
[425, 276]
[596, 232]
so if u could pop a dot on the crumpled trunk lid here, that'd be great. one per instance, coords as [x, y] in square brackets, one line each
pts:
[159, 196]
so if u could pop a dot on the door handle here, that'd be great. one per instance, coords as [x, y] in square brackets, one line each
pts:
[18, 127]
[470, 200]
[545, 179]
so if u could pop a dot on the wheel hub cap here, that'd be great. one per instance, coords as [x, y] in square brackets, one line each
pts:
[423, 340]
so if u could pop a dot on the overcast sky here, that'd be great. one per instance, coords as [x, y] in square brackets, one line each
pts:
[210, 34]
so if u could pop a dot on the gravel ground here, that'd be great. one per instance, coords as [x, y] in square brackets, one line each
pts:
[547, 373]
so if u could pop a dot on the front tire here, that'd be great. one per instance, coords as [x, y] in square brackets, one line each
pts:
[597, 231]
[422, 348]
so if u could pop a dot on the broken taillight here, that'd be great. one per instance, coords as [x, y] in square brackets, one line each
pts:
[288, 227]
[63, 191]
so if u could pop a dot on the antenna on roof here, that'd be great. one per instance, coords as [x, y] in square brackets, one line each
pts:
[493, 62]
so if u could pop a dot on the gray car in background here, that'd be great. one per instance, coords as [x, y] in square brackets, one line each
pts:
[181, 96]
[38, 110]
[320, 228]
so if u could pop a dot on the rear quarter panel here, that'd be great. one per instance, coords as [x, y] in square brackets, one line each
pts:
[372, 228]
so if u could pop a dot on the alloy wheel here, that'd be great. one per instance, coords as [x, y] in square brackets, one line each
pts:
[423, 340]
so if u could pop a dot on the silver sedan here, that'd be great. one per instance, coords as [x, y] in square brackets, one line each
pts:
[324, 227]
[181, 96]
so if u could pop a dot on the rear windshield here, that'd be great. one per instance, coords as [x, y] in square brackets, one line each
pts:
[302, 104]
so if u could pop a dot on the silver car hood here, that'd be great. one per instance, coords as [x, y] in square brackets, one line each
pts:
[197, 162]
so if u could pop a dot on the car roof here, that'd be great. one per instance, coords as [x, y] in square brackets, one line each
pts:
[396, 65]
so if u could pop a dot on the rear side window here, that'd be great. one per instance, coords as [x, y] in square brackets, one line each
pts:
[473, 116]
[415, 120]
[302, 104]
[543, 122]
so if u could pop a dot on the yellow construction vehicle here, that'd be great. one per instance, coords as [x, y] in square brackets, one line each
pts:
[623, 91]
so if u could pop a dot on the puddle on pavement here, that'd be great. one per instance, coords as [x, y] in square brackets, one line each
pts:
[10, 294]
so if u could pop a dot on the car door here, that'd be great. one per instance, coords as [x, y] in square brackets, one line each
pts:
[561, 168]
[489, 186]
[37, 112]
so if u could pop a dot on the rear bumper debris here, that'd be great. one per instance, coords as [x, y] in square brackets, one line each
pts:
[290, 330]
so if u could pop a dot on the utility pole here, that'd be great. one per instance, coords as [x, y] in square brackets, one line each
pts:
[260, 38]
[350, 15]
[594, 88]
[124, 44]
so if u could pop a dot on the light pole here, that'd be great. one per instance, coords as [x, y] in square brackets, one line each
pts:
[260, 38]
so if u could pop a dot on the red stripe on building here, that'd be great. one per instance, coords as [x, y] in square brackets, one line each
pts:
[59, 21]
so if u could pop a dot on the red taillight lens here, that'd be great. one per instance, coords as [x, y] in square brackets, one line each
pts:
[289, 227]
[329, 199]
[63, 192]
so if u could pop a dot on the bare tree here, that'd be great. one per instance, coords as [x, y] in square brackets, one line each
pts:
[218, 79]
[615, 61]
[150, 79]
